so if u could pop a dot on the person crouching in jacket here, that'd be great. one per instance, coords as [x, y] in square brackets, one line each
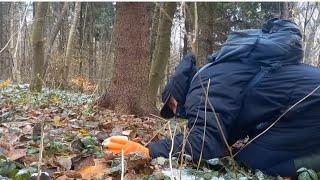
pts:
[253, 79]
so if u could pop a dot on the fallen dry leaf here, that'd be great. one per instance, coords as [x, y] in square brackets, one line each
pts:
[15, 154]
[57, 121]
[66, 175]
[28, 159]
[126, 132]
[109, 156]
[98, 171]
[65, 162]
[82, 162]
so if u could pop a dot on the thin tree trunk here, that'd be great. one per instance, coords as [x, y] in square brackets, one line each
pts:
[16, 73]
[194, 44]
[204, 40]
[106, 71]
[53, 35]
[154, 29]
[308, 51]
[2, 38]
[162, 50]
[271, 9]
[70, 44]
[37, 43]
[82, 37]
[91, 45]
[189, 26]
[128, 90]
[107, 64]
[284, 14]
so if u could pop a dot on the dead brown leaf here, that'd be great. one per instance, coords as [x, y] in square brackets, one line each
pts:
[109, 156]
[65, 162]
[81, 162]
[66, 175]
[15, 154]
[98, 171]
[28, 159]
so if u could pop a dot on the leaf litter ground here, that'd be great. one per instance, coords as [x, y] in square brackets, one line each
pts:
[74, 129]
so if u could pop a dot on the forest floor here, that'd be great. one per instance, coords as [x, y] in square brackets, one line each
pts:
[70, 146]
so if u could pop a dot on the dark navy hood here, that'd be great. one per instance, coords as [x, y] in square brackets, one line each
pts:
[278, 42]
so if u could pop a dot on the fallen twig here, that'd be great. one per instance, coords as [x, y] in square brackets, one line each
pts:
[41, 149]
[171, 150]
[183, 145]
[168, 122]
[205, 123]
[122, 165]
[220, 128]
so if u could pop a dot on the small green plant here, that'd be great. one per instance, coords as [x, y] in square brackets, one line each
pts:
[56, 148]
[91, 145]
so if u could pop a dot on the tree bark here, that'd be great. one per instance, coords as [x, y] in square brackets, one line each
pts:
[154, 29]
[271, 9]
[53, 35]
[204, 40]
[91, 44]
[284, 11]
[70, 44]
[107, 66]
[162, 50]
[309, 43]
[37, 43]
[16, 57]
[189, 16]
[127, 93]
[2, 39]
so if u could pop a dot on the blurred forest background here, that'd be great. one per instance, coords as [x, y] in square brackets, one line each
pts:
[125, 52]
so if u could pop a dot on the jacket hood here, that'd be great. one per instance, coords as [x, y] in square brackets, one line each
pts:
[278, 42]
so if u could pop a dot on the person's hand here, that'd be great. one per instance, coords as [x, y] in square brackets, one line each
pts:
[115, 144]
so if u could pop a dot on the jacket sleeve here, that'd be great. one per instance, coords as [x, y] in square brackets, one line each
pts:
[227, 82]
[179, 83]
[212, 146]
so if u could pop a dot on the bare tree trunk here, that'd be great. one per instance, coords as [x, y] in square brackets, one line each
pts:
[284, 11]
[107, 64]
[271, 9]
[37, 43]
[82, 35]
[13, 28]
[309, 42]
[154, 29]
[308, 51]
[53, 35]
[91, 45]
[24, 65]
[162, 50]
[194, 45]
[16, 72]
[204, 40]
[128, 90]
[188, 15]
[70, 44]
[2, 39]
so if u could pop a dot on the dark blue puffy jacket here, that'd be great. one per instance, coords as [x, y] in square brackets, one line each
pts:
[254, 78]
